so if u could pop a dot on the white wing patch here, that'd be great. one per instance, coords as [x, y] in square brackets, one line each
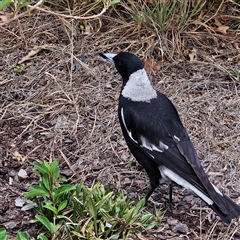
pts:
[124, 123]
[139, 88]
[169, 174]
[146, 144]
[217, 190]
[176, 138]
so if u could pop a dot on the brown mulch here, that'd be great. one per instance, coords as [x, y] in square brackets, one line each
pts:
[63, 104]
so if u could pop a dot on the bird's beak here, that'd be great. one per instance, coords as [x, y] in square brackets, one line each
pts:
[109, 57]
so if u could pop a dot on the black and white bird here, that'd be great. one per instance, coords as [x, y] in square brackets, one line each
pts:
[156, 137]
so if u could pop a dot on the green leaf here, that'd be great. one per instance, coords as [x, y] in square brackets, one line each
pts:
[140, 206]
[147, 218]
[79, 235]
[102, 227]
[36, 191]
[42, 167]
[42, 237]
[105, 215]
[128, 216]
[92, 209]
[63, 189]
[104, 200]
[234, 73]
[134, 213]
[62, 205]
[24, 4]
[113, 2]
[22, 236]
[55, 169]
[2, 231]
[5, 3]
[3, 235]
[46, 182]
[46, 223]
[50, 207]
[61, 180]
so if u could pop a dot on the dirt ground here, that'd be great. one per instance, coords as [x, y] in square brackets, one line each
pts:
[62, 104]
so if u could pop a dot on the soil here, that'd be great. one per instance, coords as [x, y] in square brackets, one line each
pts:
[61, 102]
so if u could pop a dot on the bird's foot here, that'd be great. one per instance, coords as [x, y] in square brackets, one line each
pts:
[170, 212]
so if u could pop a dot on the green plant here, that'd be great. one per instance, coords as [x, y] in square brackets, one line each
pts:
[51, 195]
[234, 73]
[76, 211]
[166, 14]
[15, 5]
[20, 235]
[23, 236]
[3, 234]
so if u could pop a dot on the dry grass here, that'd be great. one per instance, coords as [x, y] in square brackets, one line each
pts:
[64, 103]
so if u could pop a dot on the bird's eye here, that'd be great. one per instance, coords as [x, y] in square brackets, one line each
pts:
[119, 63]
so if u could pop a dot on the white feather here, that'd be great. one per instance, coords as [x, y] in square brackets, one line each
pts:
[124, 124]
[138, 88]
[167, 173]
[176, 138]
[217, 190]
[146, 144]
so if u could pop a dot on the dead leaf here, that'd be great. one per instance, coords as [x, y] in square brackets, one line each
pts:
[217, 22]
[197, 75]
[191, 54]
[34, 51]
[5, 16]
[19, 157]
[149, 65]
[88, 29]
[222, 29]
[207, 58]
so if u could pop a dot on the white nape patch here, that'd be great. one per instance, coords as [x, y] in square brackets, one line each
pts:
[176, 138]
[128, 132]
[167, 173]
[146, 144]
[217, 190]
[138, 88]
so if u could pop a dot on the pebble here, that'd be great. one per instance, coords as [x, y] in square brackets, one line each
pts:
[10, 225]
[181, 228]
[22, 174]
[19, 202]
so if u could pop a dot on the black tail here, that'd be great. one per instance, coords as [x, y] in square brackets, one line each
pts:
[234, 210]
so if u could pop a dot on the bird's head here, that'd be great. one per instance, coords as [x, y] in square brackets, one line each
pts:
[126, 63]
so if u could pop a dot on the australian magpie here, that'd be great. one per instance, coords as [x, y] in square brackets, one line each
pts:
[156, 137]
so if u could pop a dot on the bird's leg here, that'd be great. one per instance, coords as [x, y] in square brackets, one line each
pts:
[170, 202]
[149, 194]
[154, 182]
